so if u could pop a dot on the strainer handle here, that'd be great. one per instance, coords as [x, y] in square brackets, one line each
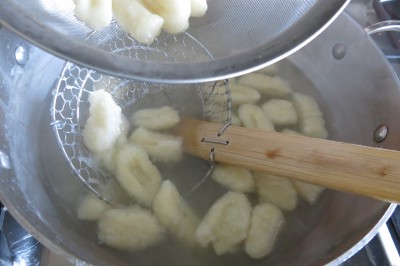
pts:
[346, 167]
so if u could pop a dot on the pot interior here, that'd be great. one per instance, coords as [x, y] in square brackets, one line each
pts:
[357, 93]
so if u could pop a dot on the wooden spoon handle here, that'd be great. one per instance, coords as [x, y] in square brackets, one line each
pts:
[352, 168]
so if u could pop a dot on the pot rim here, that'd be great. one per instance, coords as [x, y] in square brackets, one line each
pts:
[365, 240]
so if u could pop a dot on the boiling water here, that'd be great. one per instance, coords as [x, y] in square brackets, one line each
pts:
[68, 191]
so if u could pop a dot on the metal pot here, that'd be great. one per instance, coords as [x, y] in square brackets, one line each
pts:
[358, 92]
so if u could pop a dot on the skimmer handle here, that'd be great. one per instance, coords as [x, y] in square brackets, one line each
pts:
[346, 167]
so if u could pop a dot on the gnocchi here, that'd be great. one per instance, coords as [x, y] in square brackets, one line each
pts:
[276, 190]
[281, 112]
[129, 229]
[137, 20]
[175, 214]
[312, 123]
[96, 14]
[266, 223]
[234, 178]
[175, 13]
[266, 85]
[160, 147]
[198, 8]
[308, 192]
[106, 159]
[136, 174]
[242, 94]
[253, 116]
[156, 118]
[91, 208]
[235, 120]
[103, 126]
[226, 223]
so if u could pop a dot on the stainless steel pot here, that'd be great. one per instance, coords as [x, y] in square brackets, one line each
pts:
[358, 92]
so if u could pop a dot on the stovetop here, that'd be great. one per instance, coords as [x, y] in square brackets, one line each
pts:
[19, 248]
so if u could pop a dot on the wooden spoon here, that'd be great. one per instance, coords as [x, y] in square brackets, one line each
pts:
[368, 171]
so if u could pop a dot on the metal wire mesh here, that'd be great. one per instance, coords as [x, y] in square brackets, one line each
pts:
[70, 110]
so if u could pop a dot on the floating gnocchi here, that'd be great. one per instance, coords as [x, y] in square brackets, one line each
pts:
[96, 14]
[276, 190]
[103, 126]
[266, 223]
[226, 223]
[106, 158]
[241, 94]
[175, 214]
[266, 85]
[252, 116]
[136, 174]
[161, 118]
[231, 223]
[137, 20]
[91, 208]
[129, 229]
[159, 146]
[281, 112]
[234, 178]
[235, 120]
[308, 192]
[312, 123]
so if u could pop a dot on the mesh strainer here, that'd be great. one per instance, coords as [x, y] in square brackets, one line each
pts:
[234, 37]
[70, 110]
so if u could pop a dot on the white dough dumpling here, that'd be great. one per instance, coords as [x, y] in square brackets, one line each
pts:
[276, 190]
[242, 94]
[266, 223]
[175, 214]
[308, 192]
[92, 208]
[96, 14]
[175, 13]
[252, 116]
[312, 123]
[226, 223]
[129, 229]
[266, 85]
[198, 8]
[160, 147]
[235, 120]
[135, 19]
[281, 112]
[156, 118]
[106, 158]
[136, 174]
[233, 177]
[103, 126]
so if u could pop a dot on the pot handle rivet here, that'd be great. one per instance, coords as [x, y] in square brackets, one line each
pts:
[381, 133]
[339, 51]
